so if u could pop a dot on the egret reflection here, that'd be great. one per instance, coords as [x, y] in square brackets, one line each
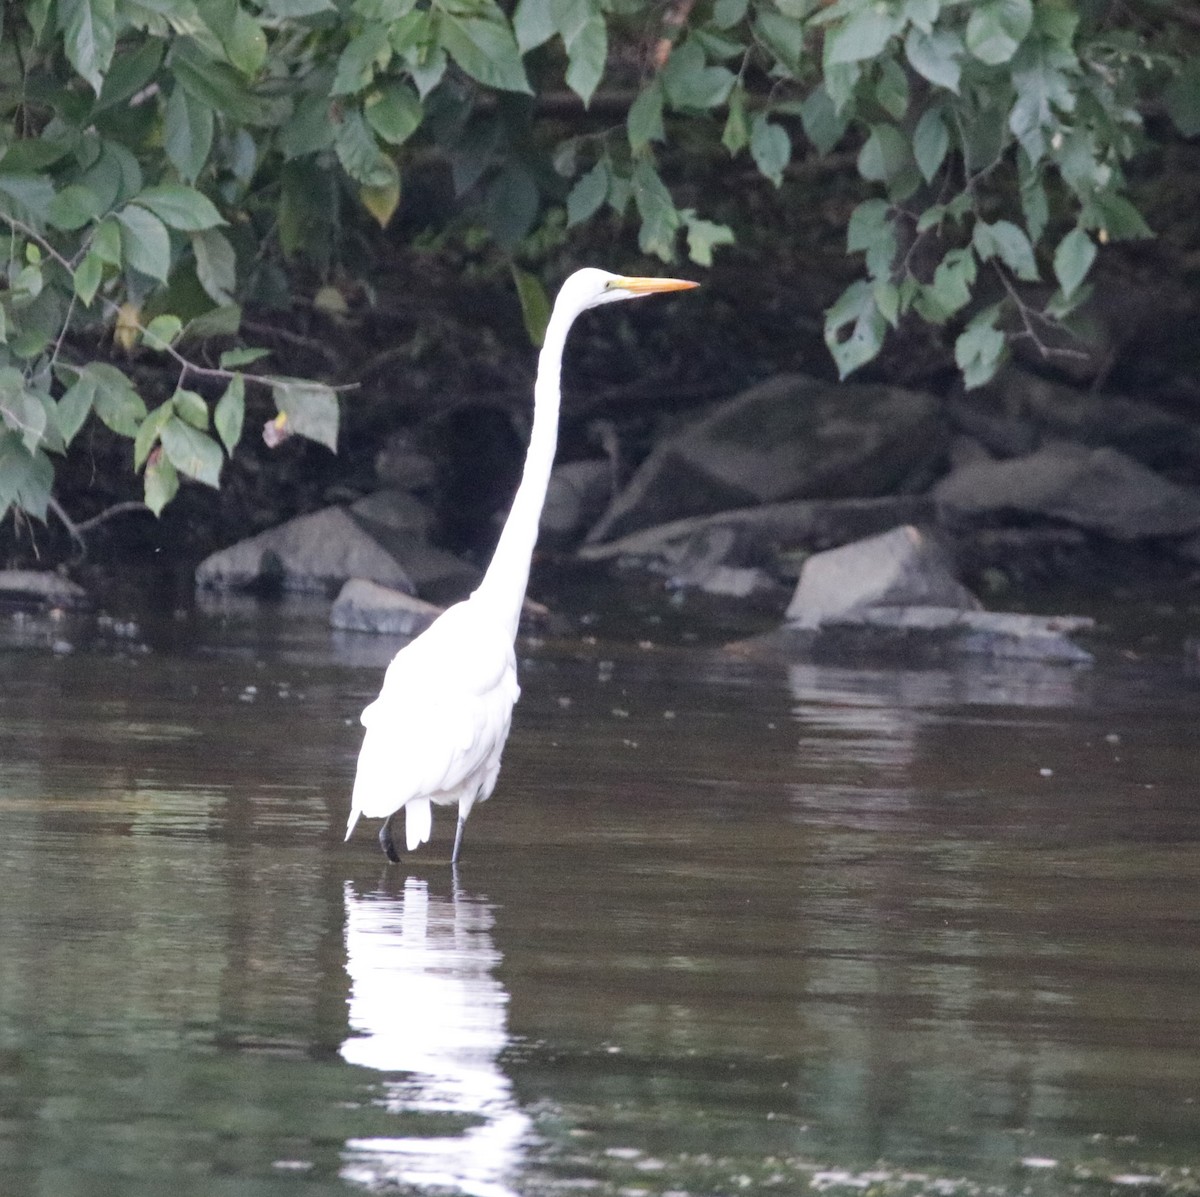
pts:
[426, 1007]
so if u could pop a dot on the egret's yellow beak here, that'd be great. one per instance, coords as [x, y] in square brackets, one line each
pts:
[647, 286]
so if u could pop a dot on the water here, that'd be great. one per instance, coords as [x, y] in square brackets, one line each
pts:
[724, 928]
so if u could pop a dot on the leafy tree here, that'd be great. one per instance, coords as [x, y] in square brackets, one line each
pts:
[165, 161]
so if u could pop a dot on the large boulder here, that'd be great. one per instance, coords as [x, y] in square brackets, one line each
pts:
[894, 595]
[314, 553]
[791, 437]
[900, 568]
[1101, 490]
[401, 524]
[576, 496]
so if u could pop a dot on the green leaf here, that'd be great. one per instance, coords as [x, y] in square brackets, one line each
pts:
[587, 53]
[645, 118]
[187, 132]
[533, 24]
[216, 322]
[588, 194]
[310, 129]
[20, 410]
[231, 359]
[87, 278]
[1072, 260]
[822, 124]
[162, 331]
[996, 28]
[145, 244]
[161, 483]
[129, 73]
[703, 236]
[857, 311]
[360, 155]
[115, 401]
[770, 147]
[950, 291]
[245, 43]
[931, 141]
[359, 60]
[230, 413]
[783, 36]
[864, 35]
[89, 37]
[311, 410]
[1115, 217]
[192, 452]
[511, 204]
[690, 84]
[871, 231]
[728, 13]
[1011, 244]
[191, 408]
[27, 197]
[106, 242]
[217, 85]
[75, 406]
[216, 265]
[736, 135]
[884, 154]
[73, 207]
[180, 207]
[486, 49]
[981, 348]
[149, 431]
[935, 56]
[25, 477]
[660, 218]
[395, 114]
[535, 304]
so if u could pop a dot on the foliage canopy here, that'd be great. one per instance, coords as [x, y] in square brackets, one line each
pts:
[163, 162]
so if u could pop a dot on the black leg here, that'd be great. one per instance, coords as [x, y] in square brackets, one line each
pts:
[458, 840]
[386, 842]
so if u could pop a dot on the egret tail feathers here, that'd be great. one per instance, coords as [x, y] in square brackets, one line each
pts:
[418, 822]
[351, 821]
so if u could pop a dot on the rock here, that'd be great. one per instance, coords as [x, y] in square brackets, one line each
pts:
[1142, 430]
[313, 553]
[894, 595]
[37, 588]
[577, 495]
[789, 438]
[900, 568]
[401, 524]
[923, 632]
[1098, 489]
[755, 536]
[982, 418]
[364, 606]
[395, 509]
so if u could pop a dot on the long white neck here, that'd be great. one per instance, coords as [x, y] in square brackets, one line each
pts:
[503, 586]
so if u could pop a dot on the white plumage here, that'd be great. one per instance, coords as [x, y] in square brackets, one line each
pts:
[437, 730]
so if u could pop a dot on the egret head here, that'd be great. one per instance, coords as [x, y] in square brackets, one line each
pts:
[589, 287]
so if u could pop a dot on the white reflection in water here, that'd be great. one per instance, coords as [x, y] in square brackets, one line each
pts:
[425, 1002]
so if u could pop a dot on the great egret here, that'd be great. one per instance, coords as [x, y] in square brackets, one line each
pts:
[437, 729]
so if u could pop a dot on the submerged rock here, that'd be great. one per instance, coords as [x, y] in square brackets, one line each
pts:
[791, 437]
[40, 588]
[364, 606]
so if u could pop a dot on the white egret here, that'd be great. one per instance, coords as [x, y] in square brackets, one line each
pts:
[438, 727]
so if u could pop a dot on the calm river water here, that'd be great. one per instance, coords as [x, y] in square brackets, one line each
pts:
[725, 928]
